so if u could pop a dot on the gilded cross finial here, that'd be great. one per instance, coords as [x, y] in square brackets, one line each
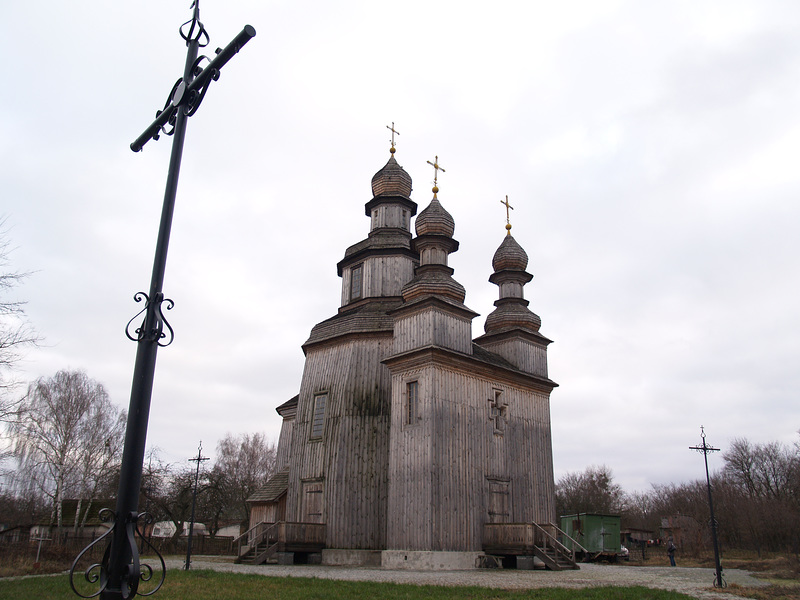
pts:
[508, 215]
[394, 131]
[436, 169]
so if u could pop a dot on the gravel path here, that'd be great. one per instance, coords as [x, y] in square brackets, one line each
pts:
[693, 582]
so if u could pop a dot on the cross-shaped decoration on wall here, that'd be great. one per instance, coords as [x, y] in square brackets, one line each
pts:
[394, 131]
[497, 412]
[436, 169]
[508, 215]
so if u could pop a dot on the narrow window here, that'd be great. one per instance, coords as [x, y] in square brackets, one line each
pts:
[355, 282]
[412, 402]
[318, 419]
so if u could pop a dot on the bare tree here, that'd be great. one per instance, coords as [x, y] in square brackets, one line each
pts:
[67, 436]
[16, 333]
[592, 491]
[244, 464]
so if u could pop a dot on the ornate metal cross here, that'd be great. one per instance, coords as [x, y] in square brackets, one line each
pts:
[706, 450]
[120, 572]
[199, 459]
[508, 215]
[436, 169]
[394, 131]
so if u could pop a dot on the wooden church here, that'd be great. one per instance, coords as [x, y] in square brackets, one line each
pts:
[410, 443]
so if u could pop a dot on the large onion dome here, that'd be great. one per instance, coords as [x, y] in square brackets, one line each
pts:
[391, 180]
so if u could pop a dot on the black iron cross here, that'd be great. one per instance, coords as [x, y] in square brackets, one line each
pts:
[706, 449]
[120, 572]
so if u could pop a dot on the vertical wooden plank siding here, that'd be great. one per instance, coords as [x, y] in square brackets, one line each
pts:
[381, 276]
[284, 444]
[433, 327]
[440, 469]
[527, 356]
[351, 457]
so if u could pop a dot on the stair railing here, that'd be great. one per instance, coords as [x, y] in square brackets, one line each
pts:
[549, 540]
[575, 543]
[254, 536]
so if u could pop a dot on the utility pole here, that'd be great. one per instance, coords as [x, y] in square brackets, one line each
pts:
[719, 582]
[120, 572]
[198, 459]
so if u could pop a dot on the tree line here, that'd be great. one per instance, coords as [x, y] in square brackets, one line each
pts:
[66, 441]
[756, 497]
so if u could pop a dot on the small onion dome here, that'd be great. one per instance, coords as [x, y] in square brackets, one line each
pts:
[435, 220]
[509, 255]
[391, 180]
[511, 315]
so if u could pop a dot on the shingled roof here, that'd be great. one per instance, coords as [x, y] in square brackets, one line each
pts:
[275, 487]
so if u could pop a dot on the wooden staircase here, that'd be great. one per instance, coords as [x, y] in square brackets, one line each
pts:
[260, 544]
[531, 539]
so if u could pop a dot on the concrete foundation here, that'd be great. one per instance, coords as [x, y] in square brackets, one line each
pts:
[337, 557]
[285, 558]
[417, 560]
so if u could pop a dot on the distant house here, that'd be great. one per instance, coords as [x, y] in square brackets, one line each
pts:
[684, 530]
[166, 529]
[230, 530]
[85, 512]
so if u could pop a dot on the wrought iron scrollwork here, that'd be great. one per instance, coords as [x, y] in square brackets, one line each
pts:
[97, 573]
[155, 331]
[194, 29]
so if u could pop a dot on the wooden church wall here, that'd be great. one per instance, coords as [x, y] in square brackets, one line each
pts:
[433, 327]
[382, 276]
[453, 460]
[284, 444]
[351, 457]
[525, 355]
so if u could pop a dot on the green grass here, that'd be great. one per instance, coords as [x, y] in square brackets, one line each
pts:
[211, 585]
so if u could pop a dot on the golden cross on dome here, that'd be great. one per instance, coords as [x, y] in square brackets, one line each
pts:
[436, 169]
[394, 131]
[508, 215]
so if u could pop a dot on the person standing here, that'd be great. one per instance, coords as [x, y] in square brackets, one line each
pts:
[671, 552]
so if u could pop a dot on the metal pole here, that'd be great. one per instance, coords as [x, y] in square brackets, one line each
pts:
[121, 571]
[200, 458]
[706, 449]
[144, 371]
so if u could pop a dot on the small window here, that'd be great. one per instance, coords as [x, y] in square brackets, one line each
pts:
[318, 419]
[355, 282]
[412, 402]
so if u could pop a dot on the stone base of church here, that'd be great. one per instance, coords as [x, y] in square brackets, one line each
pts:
[412, 560]
[337, 557]
[418, 560]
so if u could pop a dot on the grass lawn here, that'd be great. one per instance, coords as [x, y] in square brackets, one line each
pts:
[211, 585]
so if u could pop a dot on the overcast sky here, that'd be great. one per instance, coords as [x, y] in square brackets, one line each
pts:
[649, 149]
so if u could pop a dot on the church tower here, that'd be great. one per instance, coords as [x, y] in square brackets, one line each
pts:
[340, 449]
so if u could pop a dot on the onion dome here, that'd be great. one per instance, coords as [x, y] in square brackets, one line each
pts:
[391, 180]
[435, 220]
[509, 255]
[512, 314]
